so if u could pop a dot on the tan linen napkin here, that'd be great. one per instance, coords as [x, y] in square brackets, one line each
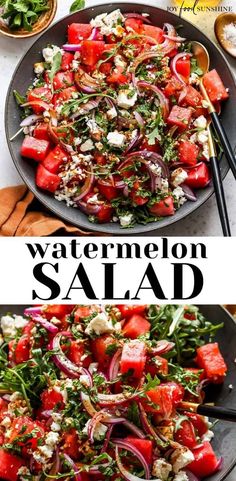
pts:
[22, 215]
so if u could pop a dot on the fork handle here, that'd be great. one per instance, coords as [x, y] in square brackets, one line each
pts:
[228, 151]
[220, 196]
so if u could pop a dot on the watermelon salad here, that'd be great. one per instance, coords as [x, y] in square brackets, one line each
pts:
[115, 121]
[106, 393]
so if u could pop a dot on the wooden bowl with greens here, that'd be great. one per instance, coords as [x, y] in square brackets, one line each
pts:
[25, 18]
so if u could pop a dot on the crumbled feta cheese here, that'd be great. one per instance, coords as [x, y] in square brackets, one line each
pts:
[119, 61]
[180, 458]
[125, 99]
[100, 324]
[99, 431]
[75, 64]
[116, 139]
[56, 427]
[200, 122]
[181, 476]
[208, 436]
[9, 325]
[77, 141]
[6, 422]
[206, 151]
[87, 145]
[98, 20]
[178, 176]
[52, 439]
[93, 199]
[193, 138]
[113, 17]
[178, 193]
[202, 137]
[99, 145]
[164, 186]
[57, 417]
[39, 68]
[161, 469]
[125, 220]
[108, 22]
[24, 473]
[93, 127]
[111, 113]
[93, 367]
[194, 78]
[50, 52]
[156, 169]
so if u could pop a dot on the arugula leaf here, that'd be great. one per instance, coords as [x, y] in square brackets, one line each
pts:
[153, 136]
[195, 68]
[77, 5]
[20, 99]
[56, 65]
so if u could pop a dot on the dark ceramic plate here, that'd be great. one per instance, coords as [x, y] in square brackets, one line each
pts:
[57, 35]
[225, 432]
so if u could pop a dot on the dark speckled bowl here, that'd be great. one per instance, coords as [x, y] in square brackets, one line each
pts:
[225, 432]
[57, 35]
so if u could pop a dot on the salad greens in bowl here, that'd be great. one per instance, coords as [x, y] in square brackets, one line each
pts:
[107, 392]
[110, 127]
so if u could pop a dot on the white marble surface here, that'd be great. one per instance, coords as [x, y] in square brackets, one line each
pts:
[198, 223]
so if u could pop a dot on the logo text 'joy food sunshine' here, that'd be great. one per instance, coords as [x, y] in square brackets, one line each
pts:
[197, 6]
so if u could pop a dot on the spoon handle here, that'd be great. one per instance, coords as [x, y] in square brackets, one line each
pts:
[228, 151]
[220, 196]
[217, 412]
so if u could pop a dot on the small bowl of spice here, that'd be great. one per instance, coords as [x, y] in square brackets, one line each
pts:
[225, 32]
[25, 18]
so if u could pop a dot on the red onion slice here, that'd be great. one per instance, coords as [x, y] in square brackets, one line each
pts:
[219, 464]
[73, 466]
[86, 401]
[122, 444]
[162, 347]
[107, 439]
[134, 429]
[170, 29]
[36, 103]
[148, 427]
[44, 323]
[134, 143]
[85, 108]
[86, 187]
[139, 119]
[86, 89]
[126, 475]
[30, 120]
[173, 63]
[71, 47]
[106, 400]
[94, 33]
[30, 311]
[61, 361]
[114, 365]
[138, 16]
[188, 192]
[152, 157]
[175, 38]
[89, 209]
[164, 103]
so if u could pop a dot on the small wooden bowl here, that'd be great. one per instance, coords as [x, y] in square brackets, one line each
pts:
[42, 23]
[221, 21]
